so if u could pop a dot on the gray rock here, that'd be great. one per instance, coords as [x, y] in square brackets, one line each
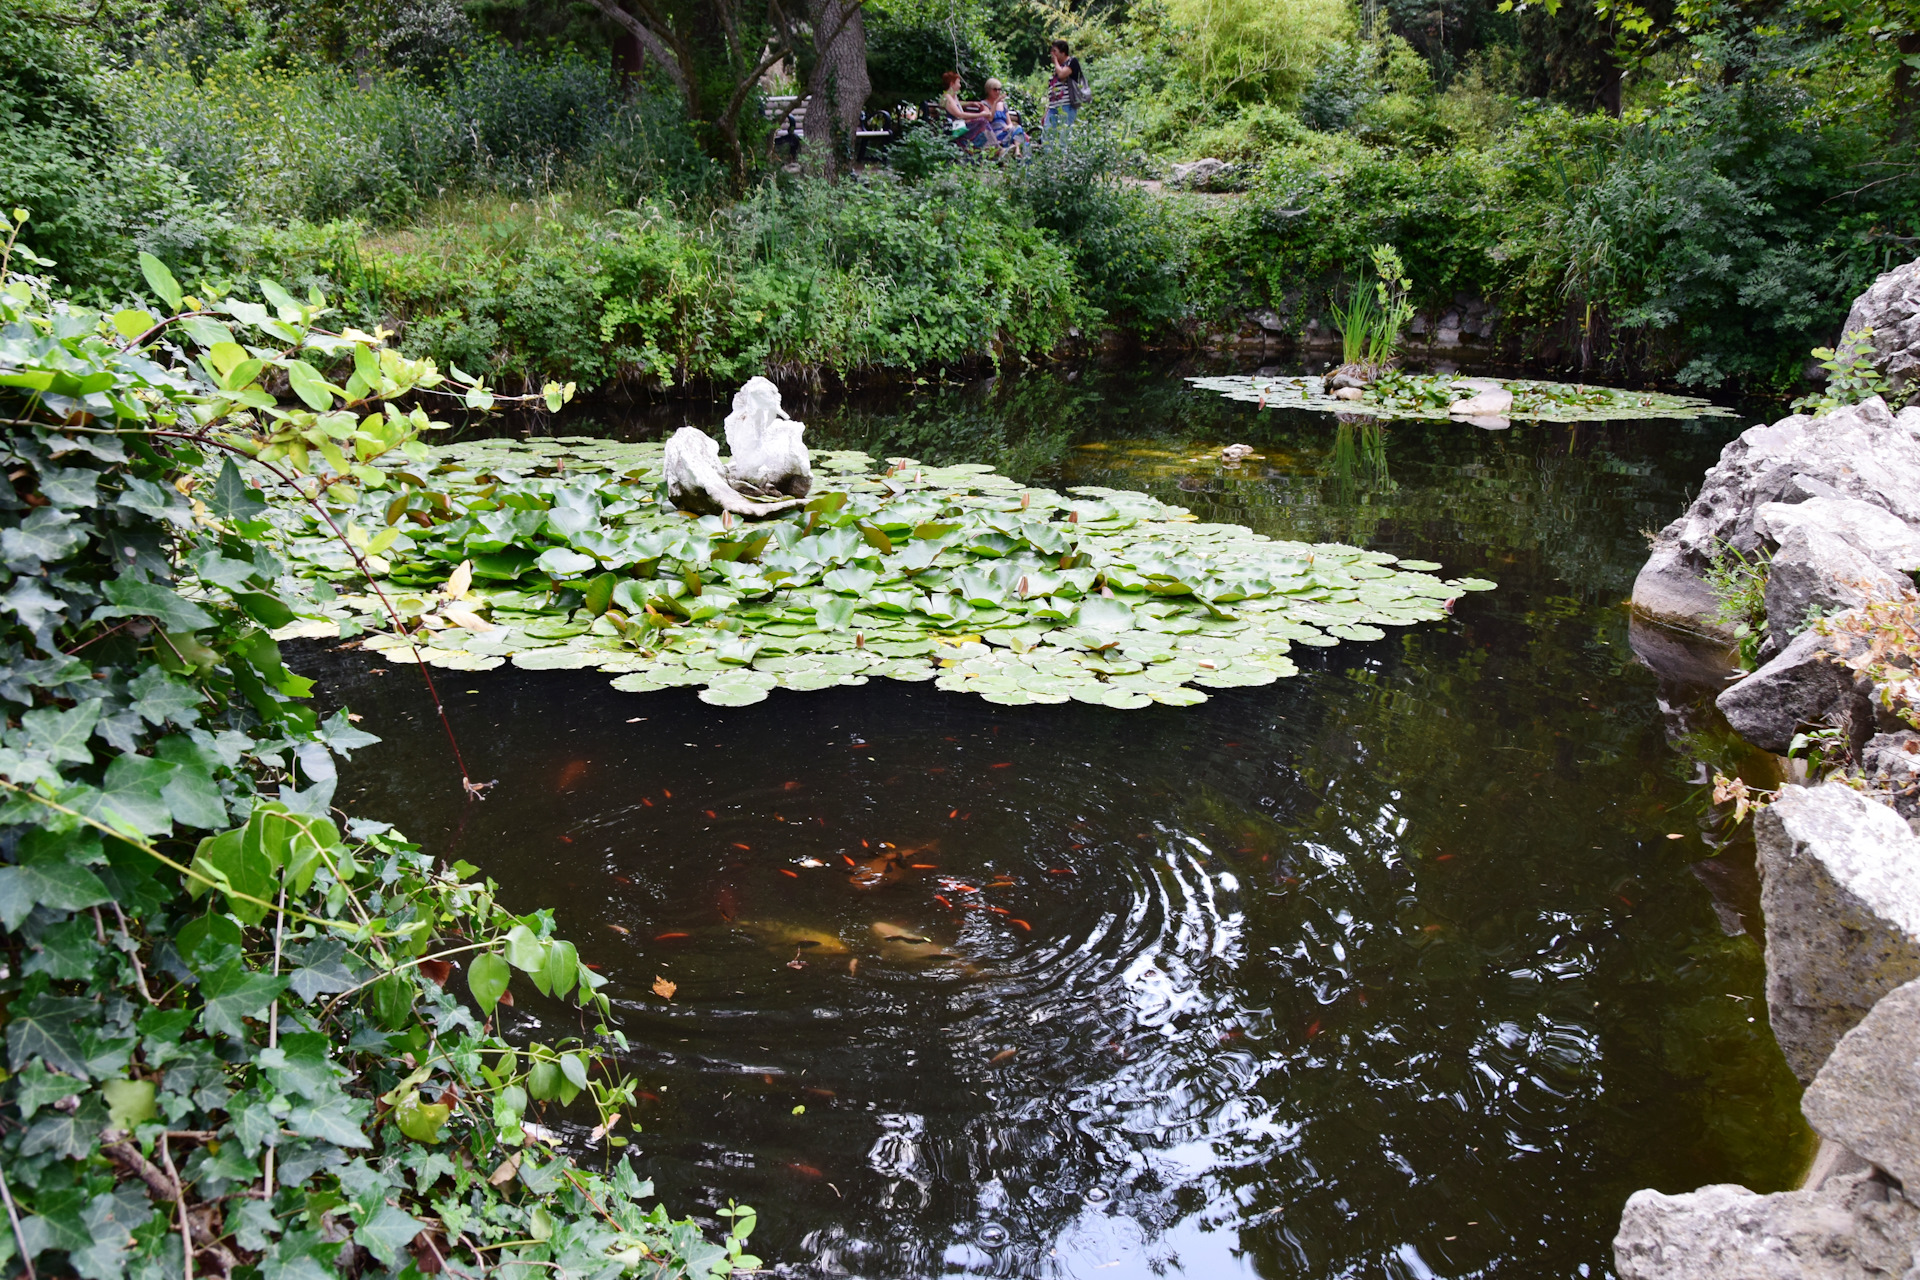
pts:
[1268, 319]
[1817, 572]
[1202, 175]
[1867, 1096]
[1851, 1228]
[1890, 764]
[1891, 308]
[1840, 889]
[1806, 685]
[1882, 536]
[1861, 451]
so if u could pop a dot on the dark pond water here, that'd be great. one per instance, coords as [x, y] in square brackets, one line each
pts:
[1405, 967]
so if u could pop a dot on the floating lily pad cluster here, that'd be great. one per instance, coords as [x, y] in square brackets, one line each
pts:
[564, 553]
[1402, 395]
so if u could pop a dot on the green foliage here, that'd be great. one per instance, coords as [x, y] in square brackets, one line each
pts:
[1125, 245]
[1851, 375]
[1370, 321]
[952, 574]
[1393, 394]
[229, 1024]
[1738, 581]
[1254, 50]
[801, 278]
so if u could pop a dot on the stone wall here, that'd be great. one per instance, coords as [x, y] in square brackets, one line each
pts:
[1835, 501]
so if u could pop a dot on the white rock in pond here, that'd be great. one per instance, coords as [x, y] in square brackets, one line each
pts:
[1840, 890]
[1349, 393]
[768, 456]
[1851, 1228]
[1867, 1096]
[696, 483]
[1489, 421]
[1890, 541]
[1489, 402]
[1236, 453]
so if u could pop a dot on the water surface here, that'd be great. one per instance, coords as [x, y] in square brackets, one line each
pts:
[1395, 968]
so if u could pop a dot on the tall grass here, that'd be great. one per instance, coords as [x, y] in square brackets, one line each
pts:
[279, 146]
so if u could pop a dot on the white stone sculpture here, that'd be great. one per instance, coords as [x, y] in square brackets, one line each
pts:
[768, 473]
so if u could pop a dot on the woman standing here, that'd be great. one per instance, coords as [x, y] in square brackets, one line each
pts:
[1066, 87]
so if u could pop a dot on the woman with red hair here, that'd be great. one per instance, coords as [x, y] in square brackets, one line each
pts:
[969, 121]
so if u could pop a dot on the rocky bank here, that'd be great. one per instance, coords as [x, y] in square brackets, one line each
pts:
[1831, 504]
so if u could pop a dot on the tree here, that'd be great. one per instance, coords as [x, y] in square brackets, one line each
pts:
[838, 82]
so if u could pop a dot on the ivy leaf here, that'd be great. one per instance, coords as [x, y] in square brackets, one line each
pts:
[129, 1102]
[234, 993]
[300, 1255]
[110, 1219]
[66, 951]
[61, 1222]
[194, 798]
[387, 1232]
[70, 486]
[158, 697]
[299, 1064]
[132, 598]
[46, 536]
[334, 1122]
[487, 977]
[50, 881]
[35, 1087]
[71, 1134]
[131, 792]
[61, 735]
[322, 969]
[233, 498]
[30, 601]
[48, 1028]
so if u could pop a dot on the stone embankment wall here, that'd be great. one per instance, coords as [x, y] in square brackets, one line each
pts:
[1835, 500]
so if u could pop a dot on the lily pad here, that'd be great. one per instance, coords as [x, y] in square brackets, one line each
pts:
[1431, 396]
[954, 575]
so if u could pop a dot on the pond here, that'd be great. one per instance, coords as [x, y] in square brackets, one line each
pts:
[1405, 966]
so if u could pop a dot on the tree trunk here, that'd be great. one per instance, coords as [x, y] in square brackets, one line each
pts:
[838, 84]
[1908, 43]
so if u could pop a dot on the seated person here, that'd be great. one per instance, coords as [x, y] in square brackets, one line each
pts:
[1004, 133]
[968, 121]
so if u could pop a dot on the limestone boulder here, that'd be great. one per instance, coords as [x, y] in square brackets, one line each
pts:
[1806, 685]
[1867, 1095]
[1490, 403]
[1890, 765]
[1840, 890]
[1850, 1228]
[1816, 572]
[1862, 451]
[1891, 308]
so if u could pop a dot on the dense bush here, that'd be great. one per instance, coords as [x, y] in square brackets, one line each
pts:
[802, 278]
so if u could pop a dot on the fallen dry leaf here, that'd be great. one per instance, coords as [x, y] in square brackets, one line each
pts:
[504, 1174]
[663, 988]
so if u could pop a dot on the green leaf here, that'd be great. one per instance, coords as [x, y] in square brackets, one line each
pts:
[235, 993]
[387, 1232]
[337, 1121]
[321, 968]
[131, 323]
[422, 1121]
[300, 1064]
[129, 1102]
[524, 951]
[391, 1001]
[309, 385]
[562, 968]
[233, 498]
[161, 280]
[268, 610]
[133, 598]
[487, 977]
[60, 735]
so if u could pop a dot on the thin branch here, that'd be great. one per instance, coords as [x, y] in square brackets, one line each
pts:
[133, 954]
[273, 1015]
[13, 1217]
[645, 35]
[179, 1203]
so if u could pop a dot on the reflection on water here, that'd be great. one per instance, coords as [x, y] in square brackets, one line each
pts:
[1391, 969]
